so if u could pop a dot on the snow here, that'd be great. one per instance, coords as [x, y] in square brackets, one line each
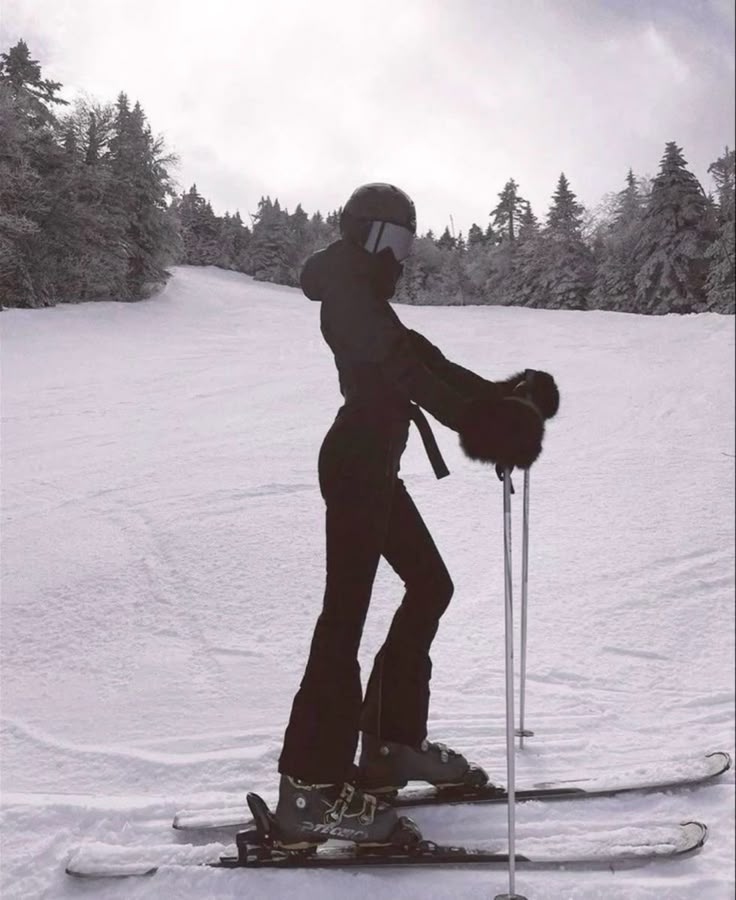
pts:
[162, 568]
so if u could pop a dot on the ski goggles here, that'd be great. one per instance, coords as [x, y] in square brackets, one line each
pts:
[386, 235]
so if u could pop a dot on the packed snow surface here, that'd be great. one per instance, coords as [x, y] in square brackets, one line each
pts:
[162, 554]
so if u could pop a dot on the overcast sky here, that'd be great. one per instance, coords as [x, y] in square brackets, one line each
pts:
[305, 99]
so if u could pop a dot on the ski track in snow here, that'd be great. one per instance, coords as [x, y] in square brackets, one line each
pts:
[162, 569]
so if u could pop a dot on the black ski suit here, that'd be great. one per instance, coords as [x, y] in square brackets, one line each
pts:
[385, 369]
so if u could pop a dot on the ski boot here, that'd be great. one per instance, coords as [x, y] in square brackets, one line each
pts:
[386, 766]
[310, 814]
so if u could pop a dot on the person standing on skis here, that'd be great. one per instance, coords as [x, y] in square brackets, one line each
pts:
[388, 374]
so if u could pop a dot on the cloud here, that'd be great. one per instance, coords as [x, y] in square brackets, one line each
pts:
[304, 100]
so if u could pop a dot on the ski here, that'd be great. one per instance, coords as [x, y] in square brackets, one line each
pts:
[655, 777]
[628, 845]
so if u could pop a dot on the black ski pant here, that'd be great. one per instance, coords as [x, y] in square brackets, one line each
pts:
[369, 514]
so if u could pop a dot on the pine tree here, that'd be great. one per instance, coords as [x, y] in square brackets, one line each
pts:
[507, 218]
[565, 217]
[444, 283]
[630, 201]
[614, 286]
[446, 241]
[142, 184]
[523, 271]
[190, 207]
[320, 233]
[528, 224]
[476, 237]
[85, 229]
[420, 270]
[299, 244]
[671, 254]
[233, 243]
[499, 267]
[719, 285]
[558, 273]
[22, 205]
[91, 124]
[23, 76]
[508, 212]
[92, 153]
[33, 178]
[272, 245]
[241, 243]
[476, 265]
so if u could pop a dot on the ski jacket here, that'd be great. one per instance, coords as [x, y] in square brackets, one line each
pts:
[386, 371]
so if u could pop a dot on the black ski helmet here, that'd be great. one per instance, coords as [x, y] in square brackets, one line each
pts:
[376, 202]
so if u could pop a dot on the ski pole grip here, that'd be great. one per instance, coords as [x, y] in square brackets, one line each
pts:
[500, 473]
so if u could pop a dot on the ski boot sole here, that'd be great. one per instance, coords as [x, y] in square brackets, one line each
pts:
[474, 777]
[266, 834]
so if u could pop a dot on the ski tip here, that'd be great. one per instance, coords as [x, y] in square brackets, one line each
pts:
[94, 874]
[695, 834]
[725, 760]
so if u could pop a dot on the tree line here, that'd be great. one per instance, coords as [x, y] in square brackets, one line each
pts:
[89, 211]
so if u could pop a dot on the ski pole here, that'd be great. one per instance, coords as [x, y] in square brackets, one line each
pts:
[522, 732]
[510, 740]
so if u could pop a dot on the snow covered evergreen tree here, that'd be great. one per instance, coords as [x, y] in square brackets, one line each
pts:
[23, 76]
[528, 224]
[556, 269]
[317, 233]
[569, 262]
[446, 241]
[208, 239]
[475, 236]
[435, 274]
[614, 287]
[88, 230]
[671, 254]
[31, 160]
[476, 265]
[272, 244]
[140, 189]
[233, 243]
[528, 271]
[498, 263]
[499, 272]
[22, 205]
[421, 266]
[507, 214]
[200, 230]
[298, 231]
[719, 285]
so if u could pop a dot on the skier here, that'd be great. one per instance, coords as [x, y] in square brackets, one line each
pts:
[387, 373]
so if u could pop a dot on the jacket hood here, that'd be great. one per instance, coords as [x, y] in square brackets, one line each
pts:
[336, 266]
[317, 269]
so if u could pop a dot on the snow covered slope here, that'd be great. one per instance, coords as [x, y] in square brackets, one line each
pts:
[162, 570]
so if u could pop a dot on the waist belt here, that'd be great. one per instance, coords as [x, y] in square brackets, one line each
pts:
[428, 439]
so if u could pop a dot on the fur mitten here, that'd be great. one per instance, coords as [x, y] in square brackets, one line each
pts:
[508, 432]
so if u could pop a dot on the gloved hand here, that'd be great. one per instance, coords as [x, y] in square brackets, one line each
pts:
[541, 389]
[505, 432]
[537, 386]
